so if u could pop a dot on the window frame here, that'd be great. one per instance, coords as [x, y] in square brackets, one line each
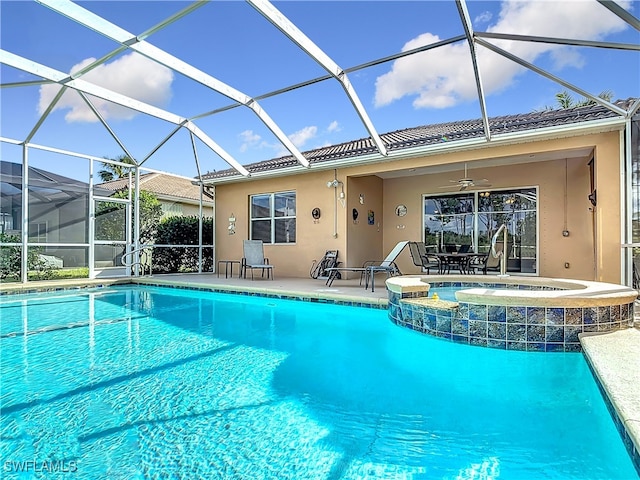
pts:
[477, 212]
[272, 217]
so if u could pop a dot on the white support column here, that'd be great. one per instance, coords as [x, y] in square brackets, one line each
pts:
[25, 215]
[92, 223]
[136, 223]
[626, 224]
[200, 231]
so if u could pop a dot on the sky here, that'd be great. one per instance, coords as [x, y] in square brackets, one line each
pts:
[233, 42]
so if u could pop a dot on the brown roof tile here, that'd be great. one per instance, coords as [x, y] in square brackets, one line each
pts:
[433, 134]
[159, 184]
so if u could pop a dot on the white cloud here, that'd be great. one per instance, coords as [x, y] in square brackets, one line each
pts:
[484, 17]
[301, 137]
[249, 139]
[333, 127]
[443, 77]
[132, 75]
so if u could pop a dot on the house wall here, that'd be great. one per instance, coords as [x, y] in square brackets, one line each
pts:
[314, 237]
[592, 253]
[554, 248]
[365, 240]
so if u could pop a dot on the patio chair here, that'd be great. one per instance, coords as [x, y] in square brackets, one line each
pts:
[422, 259]
[371, 267]
[253, 251]
[319, 269]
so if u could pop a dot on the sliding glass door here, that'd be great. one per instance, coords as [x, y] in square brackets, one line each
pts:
[468, 220]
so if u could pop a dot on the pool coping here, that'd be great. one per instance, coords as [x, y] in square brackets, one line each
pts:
[553, 292]
[292, 294]
[614, 359]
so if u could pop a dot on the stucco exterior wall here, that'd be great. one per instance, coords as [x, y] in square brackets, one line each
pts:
[313, 237]
[592, 249]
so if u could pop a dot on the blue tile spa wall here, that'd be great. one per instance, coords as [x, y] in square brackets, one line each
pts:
[543, 329]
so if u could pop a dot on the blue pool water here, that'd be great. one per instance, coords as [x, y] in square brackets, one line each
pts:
[162, 383]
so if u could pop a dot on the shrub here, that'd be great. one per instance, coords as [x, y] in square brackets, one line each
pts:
[180, 230]
[11, 260]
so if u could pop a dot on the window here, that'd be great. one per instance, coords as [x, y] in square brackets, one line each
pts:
[471, 218]
[38, 232]
[273, 217]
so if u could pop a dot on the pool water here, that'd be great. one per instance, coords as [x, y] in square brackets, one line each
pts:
[446, 293]
[159, 383]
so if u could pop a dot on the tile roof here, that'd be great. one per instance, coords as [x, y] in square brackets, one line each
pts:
[435, 134]
[160, 184]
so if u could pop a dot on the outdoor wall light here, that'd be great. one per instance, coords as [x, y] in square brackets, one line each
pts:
[232, 225]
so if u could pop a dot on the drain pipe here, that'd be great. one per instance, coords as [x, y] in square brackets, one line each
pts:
[503, 261]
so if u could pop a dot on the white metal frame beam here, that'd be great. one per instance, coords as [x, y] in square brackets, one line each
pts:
[126, 39]
[621, 12]
[468, 30]
[282, 23]
[80, 85]
[550, 76]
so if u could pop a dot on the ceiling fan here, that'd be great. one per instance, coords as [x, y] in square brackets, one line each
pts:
[466, 182]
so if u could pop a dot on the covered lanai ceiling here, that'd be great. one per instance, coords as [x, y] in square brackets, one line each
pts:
[288, 55]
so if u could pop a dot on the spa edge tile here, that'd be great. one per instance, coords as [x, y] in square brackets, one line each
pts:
[535, 347]
[604, 314]
[517, 333]
[496, 331]
[554, 316]
[522, 346]
[478, 312]
[554, 334]
[535, 316]
[479, 342]
[571, 333]
[535, 333]
[478, 329]
[572, 347]
[554, 347]
[460, 338]
[500, 344]
[573, 316]
[497, 313]
[460, 327]
[517, 315]
[443, 324]
[615, 313]
[590, 315]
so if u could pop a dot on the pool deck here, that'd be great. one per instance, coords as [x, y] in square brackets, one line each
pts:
[614, 357]
[615, 360]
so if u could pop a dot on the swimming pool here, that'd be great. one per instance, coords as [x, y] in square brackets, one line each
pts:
[131, 382]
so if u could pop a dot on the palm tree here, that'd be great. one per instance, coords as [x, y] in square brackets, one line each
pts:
[565, 100]
[114, 172]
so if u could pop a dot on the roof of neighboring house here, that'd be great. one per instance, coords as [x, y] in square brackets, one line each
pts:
[436, 134]
[161, 185]
[49, 184]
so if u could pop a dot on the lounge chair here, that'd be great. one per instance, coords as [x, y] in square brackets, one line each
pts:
[370, 268]
[422, 259]
[254, 258]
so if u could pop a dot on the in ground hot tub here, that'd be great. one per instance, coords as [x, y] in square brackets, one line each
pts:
[513, 313]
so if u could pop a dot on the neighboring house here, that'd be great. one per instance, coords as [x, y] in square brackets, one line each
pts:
[542, 170]
[178, 196]
[58, 210]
